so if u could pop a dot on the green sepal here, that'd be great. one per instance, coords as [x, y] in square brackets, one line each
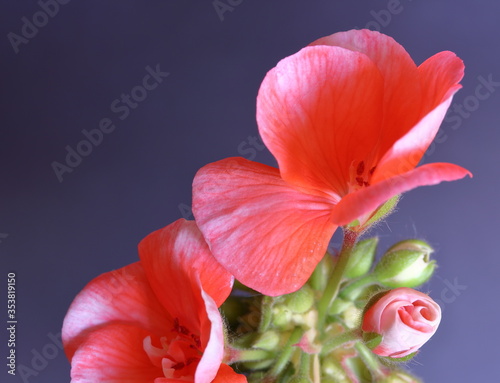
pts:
[402, 359]
[361, 259]
[384, 210]
[372, 339]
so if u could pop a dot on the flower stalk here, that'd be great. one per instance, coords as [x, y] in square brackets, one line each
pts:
[332, 288]
[286, 354]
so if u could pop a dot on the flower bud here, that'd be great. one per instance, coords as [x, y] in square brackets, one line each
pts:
[339, 305]
[282, 317]
[405, 318]
[361, 259]
[300, 301]
[267, 341]
[406, 264]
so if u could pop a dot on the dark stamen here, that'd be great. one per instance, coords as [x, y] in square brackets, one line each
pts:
[178, 366]
[178, 328]
[361, 168]
[191, 360]
[196, 340]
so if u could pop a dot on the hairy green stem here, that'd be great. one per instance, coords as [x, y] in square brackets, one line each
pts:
[370, 360]
[287, 352]
[339, 340]
[332, 288]
[234, 355]
[305, 364]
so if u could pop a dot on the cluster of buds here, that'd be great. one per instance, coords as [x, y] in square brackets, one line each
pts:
[375, 320]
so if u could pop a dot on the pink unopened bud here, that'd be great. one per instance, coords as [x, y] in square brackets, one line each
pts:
[405, 318]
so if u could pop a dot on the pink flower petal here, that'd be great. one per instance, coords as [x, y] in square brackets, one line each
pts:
[395, 316]
[122, 295]
[368, 199]
[402, 90]
[179, 264]
[267, 234]
[318, 111]
[113, 354]
[440, 76]
[214, 350]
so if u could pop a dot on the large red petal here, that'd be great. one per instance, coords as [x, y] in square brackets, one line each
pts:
[402, 89]
[319, 111]
[114, 354]
[179, 264]
[227, 375]
[406, 153]
[439, 76]
[369, 198]
[123, 295]
[269, 235]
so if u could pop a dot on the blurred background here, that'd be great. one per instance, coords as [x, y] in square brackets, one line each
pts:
[66, 69]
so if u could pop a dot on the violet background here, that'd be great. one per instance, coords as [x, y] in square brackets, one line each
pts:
[58, 236]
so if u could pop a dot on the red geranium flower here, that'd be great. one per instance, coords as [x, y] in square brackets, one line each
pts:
[347, 119]
[155, 320]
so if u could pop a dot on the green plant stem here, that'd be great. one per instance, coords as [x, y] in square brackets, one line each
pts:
[287, 352]
[349, 292]
[339, 340]
[332, 288]
[305, 364]
[234, 355]
[370, 360]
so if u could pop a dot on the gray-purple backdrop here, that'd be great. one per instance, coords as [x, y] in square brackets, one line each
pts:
[64, 67]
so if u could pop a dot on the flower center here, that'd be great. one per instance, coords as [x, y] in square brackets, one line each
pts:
[178, 354]
[359, 175]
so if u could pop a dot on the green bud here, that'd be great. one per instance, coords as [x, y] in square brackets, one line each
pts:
[400, 377]
[352, 316]
[406, 264]
[300, 301]
[339, 305]
[361, 259]
[322, 272]
[267, 341]
[282, 317]
[412, 244]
